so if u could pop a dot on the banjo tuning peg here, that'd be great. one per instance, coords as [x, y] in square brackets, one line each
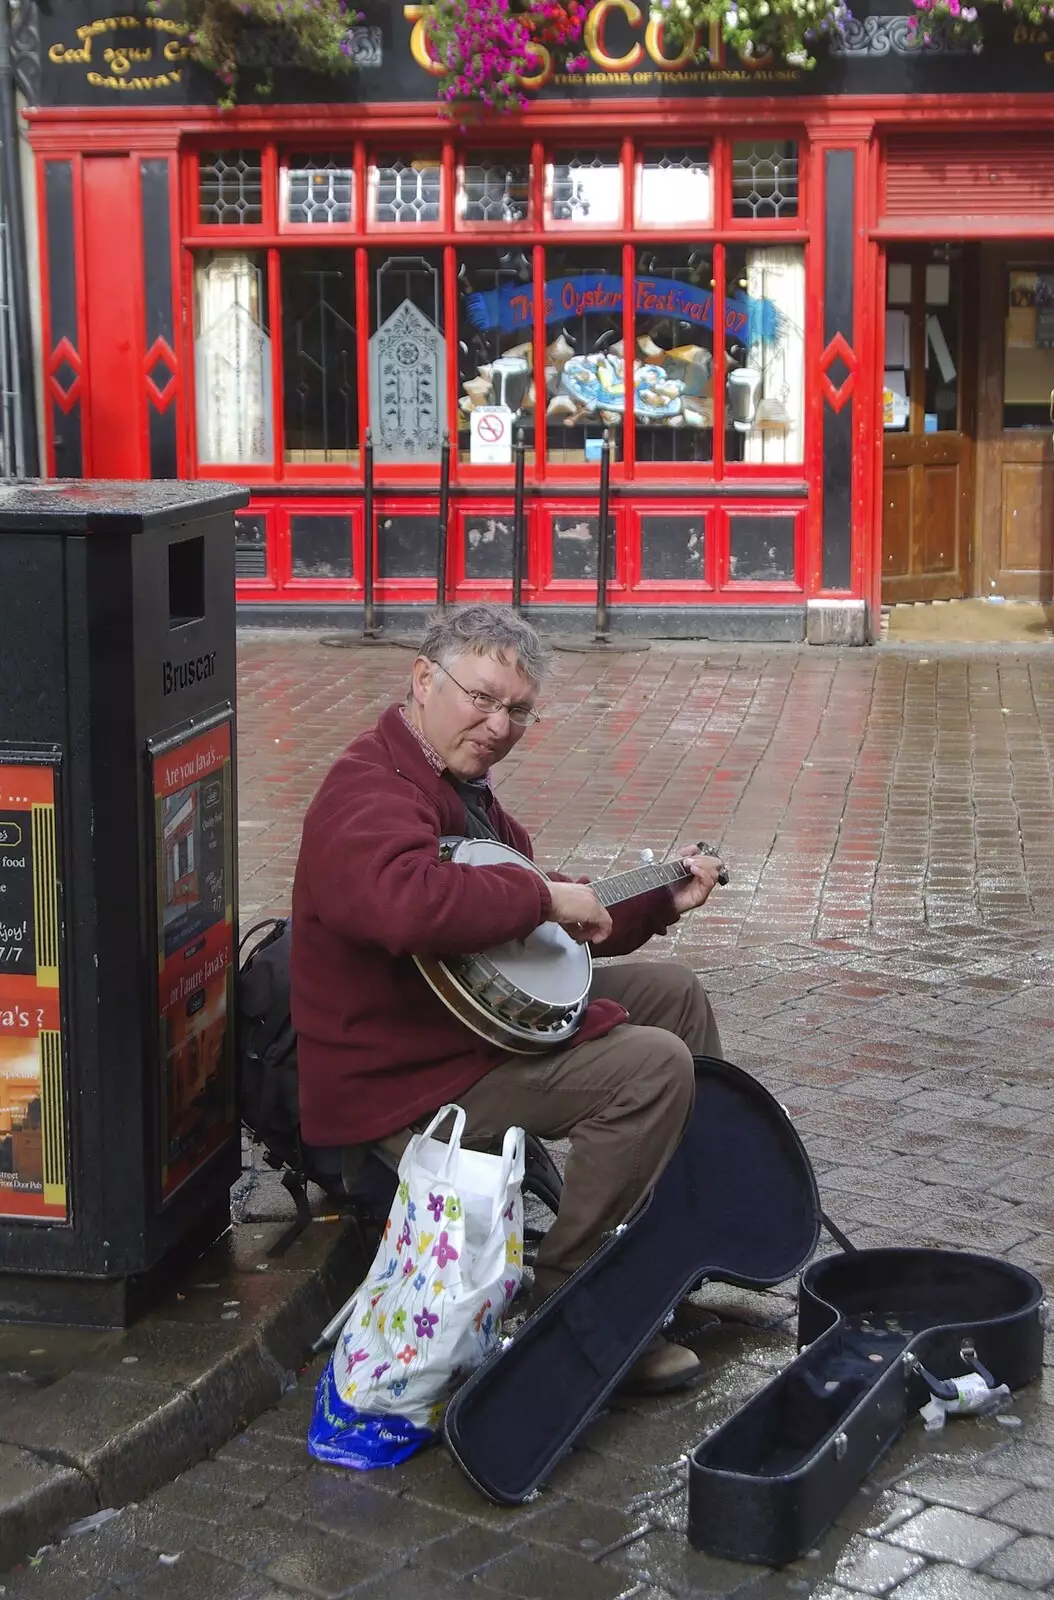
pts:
[710, 850]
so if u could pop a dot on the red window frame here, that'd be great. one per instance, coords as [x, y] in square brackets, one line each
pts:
[272, 237]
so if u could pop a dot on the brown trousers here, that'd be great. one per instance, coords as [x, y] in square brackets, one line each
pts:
[623, 1101]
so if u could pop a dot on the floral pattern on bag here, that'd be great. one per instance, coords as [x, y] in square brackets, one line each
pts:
[447, 1267]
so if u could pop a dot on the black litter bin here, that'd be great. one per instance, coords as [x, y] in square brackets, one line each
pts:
[119, 1135]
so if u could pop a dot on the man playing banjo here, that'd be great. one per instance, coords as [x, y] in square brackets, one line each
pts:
[376, 899]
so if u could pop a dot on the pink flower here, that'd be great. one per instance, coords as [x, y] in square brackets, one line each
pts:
[444, 1251]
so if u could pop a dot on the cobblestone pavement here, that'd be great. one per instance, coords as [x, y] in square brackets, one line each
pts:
[881, 960]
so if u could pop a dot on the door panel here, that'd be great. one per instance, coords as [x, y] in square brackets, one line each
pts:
[928, 414]
[116, 445]
[940, 511]
[1026, 517]
[1015, 502]
[896, 521]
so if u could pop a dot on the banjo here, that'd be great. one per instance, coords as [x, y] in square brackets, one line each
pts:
[529, 995]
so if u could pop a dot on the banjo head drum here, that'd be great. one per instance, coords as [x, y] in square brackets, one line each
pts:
[528, 995]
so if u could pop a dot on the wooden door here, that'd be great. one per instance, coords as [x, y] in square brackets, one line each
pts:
[928, 416]
[115, 442]
[1015, 502]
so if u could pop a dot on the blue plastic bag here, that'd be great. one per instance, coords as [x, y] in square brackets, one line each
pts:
[348, 1438]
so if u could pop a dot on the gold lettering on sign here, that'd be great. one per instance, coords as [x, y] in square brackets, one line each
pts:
[419, 16]
[98, 81]
[60, 52]
[122, 59]
[593, 35]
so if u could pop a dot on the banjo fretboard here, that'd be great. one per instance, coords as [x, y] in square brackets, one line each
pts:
[639, 880]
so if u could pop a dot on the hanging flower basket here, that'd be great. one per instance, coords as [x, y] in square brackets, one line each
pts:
[318, 31]
[938, 20]
[789, 30]
[485, 48]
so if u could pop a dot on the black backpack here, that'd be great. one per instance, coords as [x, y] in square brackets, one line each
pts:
[268, 1087]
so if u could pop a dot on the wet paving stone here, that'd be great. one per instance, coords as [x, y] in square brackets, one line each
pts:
[948, 1535]
[952, 1583]
[534, 1572]
[327, 1566]
[872, 1567]
[975, 1493]
[1026, 1561]
[882, 960]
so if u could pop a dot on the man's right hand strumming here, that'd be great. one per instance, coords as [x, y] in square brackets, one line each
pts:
[578, 911]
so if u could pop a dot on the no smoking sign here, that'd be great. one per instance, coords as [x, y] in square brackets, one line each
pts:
[490, 436]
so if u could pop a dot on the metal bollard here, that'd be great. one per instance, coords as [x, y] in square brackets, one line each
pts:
[520, 450]
[603, 536]
[369, 623]
[444, 515]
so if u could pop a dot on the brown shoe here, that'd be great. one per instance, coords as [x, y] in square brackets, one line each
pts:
[660, 1367]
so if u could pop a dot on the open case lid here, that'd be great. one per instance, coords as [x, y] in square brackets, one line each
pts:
[737, 1202]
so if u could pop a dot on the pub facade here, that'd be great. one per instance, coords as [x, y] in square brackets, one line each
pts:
[810, 314]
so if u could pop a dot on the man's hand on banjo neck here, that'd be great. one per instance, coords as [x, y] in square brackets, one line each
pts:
[579, 912]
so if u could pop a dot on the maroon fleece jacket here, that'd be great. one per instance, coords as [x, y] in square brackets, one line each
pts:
[377, 1048]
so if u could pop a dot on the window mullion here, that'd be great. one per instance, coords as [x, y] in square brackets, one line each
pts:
[629, 272]
[629, 340]
[451, 374]
[359, 167]
[362, 350]
[269, 188]
[719, 362]
[274, 314]
[541, 342]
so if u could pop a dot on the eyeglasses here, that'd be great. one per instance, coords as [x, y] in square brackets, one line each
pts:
[519, 715]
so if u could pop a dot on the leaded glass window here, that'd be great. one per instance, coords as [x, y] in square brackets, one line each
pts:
[765, 178]
[674, 363]
[585, 186]
[320, 399]
[405, 190]
[318, 190]
[674, 188]
[230, 187]
[495, 189]
[232, 359]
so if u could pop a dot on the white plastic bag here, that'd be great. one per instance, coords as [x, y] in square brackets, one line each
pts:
[430, 1308]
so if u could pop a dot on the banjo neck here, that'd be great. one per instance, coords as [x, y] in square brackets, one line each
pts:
[637, 881]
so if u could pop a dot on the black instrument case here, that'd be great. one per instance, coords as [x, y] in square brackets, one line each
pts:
[738, 1203]
[766, 1484]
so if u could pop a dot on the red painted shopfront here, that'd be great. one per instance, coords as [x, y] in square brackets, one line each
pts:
[702, 270]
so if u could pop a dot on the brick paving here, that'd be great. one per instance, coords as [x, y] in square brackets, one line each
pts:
[881, 960]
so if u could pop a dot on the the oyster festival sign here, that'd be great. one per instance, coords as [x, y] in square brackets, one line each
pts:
[747, 318]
